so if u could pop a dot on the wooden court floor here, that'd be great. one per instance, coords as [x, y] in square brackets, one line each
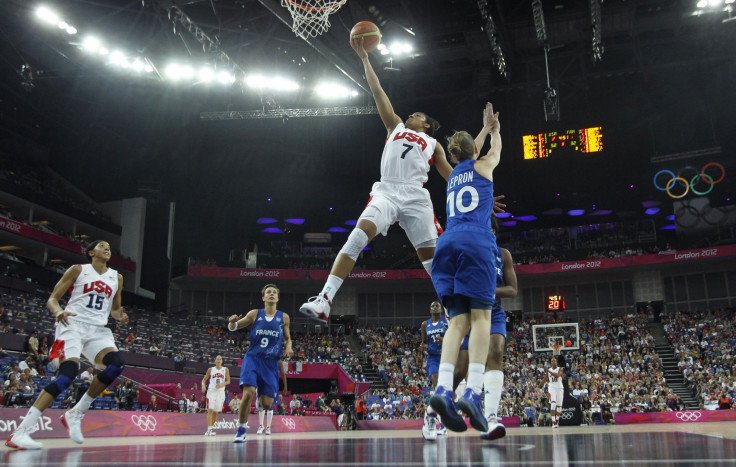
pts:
[695, 444]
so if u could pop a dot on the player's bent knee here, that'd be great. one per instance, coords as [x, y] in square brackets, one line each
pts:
[357, 240]
[114, 365]
[67, 372]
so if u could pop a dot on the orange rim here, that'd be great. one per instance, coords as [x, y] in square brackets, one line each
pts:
[311, 8]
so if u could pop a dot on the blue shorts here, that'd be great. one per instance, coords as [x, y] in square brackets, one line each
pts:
[465, 264]
[433, 365]
[262, 374]
[498, 326]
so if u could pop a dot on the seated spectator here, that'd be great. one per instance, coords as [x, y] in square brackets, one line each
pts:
[321, 404]
[724, 403]
[152, 404]
[235, 403]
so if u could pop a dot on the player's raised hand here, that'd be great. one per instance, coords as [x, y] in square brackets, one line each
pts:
[498, 207]
[490, 119]
[357, 44]
[233, 318]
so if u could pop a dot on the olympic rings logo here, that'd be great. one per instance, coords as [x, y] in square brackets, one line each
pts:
[144, 422]
[289, 422]
[689, 186]
[688, 416]
[567, 415]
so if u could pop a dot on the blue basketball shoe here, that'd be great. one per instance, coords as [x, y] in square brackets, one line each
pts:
[470, 404]
[443, 403]
[240, 435]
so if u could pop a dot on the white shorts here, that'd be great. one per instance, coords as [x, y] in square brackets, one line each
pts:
[81, 338]
[555, 395]
[215, 400]
[409, 205]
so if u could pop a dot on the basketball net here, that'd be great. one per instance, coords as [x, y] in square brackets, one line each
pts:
[556, 349]
[311, 17]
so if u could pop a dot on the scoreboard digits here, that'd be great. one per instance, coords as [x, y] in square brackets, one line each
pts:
[542, 145]
[555, 303]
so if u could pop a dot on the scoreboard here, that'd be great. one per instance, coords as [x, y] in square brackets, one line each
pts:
[555, 303]
[542, 145]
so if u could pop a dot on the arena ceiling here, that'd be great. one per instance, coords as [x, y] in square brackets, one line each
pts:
[662, 85]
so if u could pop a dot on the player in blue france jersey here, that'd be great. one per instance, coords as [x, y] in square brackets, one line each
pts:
[464, 271]
[261, 363]
[433, 331]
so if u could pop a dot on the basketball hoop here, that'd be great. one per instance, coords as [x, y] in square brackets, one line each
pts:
[311, 17]
[556, 349]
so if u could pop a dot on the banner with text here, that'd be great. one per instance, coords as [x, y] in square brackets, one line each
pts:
[402, 274]
[683, 416]
[58, 241]
[109, 423]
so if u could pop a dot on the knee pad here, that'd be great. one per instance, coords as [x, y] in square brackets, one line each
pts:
[357, 240]
[114, 364]
[67, 372]
[553, 407]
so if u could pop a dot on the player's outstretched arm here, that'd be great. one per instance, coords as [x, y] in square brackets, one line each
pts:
[487, 163]
[64, 284]
[480, 140]
[235, 322]
[385, 109]
[441, 163]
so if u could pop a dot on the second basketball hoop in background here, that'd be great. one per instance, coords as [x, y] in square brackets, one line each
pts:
[370, 34]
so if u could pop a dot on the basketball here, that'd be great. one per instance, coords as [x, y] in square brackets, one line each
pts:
[370, 32]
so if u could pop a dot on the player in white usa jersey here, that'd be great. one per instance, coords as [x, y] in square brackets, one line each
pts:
[409, 152]
[80, 328]
[219, 377]
[555, 390]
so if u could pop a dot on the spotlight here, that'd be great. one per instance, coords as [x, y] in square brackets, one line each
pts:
[206, 75]
[331, 90]
[71, 30]
[225, 77]
[47, 15]
[91, 44]
[117, 57]
[702, 3]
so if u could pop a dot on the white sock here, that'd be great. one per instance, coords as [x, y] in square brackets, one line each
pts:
[244, 424]
[444, 376]
[428, 266]
[84, 403]
[493, 382]
[331, 287]
[461, 388]
[261, 413]
[269, 418]
[31, 418]
[475, 377]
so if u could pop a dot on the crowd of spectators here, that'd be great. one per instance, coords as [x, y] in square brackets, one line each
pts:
[181, 337]
[615, 370]
[704, 343]
[594, 241]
